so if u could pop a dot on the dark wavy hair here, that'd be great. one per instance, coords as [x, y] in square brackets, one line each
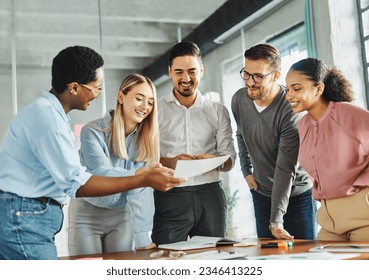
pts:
[74, 64]
[337, 87]
[266, 52]
[184, 48]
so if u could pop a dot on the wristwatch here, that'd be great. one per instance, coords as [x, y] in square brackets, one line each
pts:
[273, 225]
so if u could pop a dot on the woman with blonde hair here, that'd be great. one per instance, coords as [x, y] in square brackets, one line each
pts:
[118, 144]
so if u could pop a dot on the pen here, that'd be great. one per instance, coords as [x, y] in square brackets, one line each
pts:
[284, 245]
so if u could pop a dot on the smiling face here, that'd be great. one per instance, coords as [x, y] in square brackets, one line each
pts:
[137, 104]
[302, 93]
[82, 94]
[186, 72]
[259, 90]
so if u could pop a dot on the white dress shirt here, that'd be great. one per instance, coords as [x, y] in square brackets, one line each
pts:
[203, 128]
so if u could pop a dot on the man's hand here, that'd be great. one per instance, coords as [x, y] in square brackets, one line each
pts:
[148, 247]
[281, 233]
[172, 162]
[158, 177]
[250, 180]
[203, 156]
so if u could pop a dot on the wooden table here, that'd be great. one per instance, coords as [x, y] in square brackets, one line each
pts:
[299, 246]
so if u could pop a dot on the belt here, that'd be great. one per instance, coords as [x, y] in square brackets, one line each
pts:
[49, 200]
[196, 187]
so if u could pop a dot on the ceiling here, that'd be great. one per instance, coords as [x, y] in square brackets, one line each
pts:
[135, 33]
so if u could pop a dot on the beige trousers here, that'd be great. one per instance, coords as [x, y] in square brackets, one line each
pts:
[346, 218]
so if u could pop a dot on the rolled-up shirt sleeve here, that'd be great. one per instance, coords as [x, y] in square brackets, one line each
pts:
[56, 152]
[225, 143]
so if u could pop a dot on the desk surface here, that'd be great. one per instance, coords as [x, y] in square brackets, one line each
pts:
[300, 246]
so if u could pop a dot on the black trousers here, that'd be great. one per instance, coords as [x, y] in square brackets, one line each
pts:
[189, 211]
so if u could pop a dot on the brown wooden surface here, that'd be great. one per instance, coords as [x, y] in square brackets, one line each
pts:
[299, 246]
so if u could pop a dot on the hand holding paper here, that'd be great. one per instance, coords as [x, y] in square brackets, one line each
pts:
[192, 168]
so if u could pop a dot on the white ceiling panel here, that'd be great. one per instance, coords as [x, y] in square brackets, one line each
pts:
[134, 32]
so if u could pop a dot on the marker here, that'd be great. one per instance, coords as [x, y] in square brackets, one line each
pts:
[284, 245]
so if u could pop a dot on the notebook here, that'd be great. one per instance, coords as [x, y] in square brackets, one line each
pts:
[198, 242]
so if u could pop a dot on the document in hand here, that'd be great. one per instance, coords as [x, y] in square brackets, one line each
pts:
[198, 242]
[196, 167]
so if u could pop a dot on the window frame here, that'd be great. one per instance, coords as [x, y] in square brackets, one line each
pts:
[364, 39]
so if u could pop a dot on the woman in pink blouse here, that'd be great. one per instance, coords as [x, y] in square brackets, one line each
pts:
[334, 148]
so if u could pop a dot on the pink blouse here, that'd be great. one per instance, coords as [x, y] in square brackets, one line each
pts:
[335, 150]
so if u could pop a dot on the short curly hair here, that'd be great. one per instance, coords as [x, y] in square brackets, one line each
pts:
[74, 64]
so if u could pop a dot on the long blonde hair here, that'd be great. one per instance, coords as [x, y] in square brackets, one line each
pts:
[147, 135]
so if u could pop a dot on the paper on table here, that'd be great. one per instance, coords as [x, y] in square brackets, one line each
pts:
[192, 168]
[306, 256]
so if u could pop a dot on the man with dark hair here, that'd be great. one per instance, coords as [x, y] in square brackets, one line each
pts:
[191, 127]
[40, 168]
[268, 145]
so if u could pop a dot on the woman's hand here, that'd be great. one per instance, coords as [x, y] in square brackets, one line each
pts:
[158, 177]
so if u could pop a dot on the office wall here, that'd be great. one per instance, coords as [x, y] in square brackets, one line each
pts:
[31, 82]
[5, 100]
[345, 44]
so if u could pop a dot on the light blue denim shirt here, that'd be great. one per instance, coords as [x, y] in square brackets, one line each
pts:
[38, 157]
[98, 159]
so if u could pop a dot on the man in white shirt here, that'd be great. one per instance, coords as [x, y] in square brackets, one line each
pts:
[191, 127]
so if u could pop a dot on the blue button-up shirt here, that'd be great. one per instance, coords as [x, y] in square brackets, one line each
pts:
[99, 160]
[38, 157]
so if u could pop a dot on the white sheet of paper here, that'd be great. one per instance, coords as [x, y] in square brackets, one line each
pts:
[192, 168]
[306, 256]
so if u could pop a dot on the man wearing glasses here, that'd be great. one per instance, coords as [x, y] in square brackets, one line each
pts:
[268, 145]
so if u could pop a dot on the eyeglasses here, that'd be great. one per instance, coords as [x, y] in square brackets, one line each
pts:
[95, 91]
[256, 77]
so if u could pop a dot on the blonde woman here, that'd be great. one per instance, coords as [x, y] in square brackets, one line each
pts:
[118, 144]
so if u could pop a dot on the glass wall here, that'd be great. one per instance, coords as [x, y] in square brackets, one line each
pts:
[292, 47]
[28, 46]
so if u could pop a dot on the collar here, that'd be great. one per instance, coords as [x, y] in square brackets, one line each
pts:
[331, 106]
[108, 117]
[198, 101]
[56, 104]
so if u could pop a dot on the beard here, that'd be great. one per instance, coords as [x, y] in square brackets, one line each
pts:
[257, 93]
[185, 92]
